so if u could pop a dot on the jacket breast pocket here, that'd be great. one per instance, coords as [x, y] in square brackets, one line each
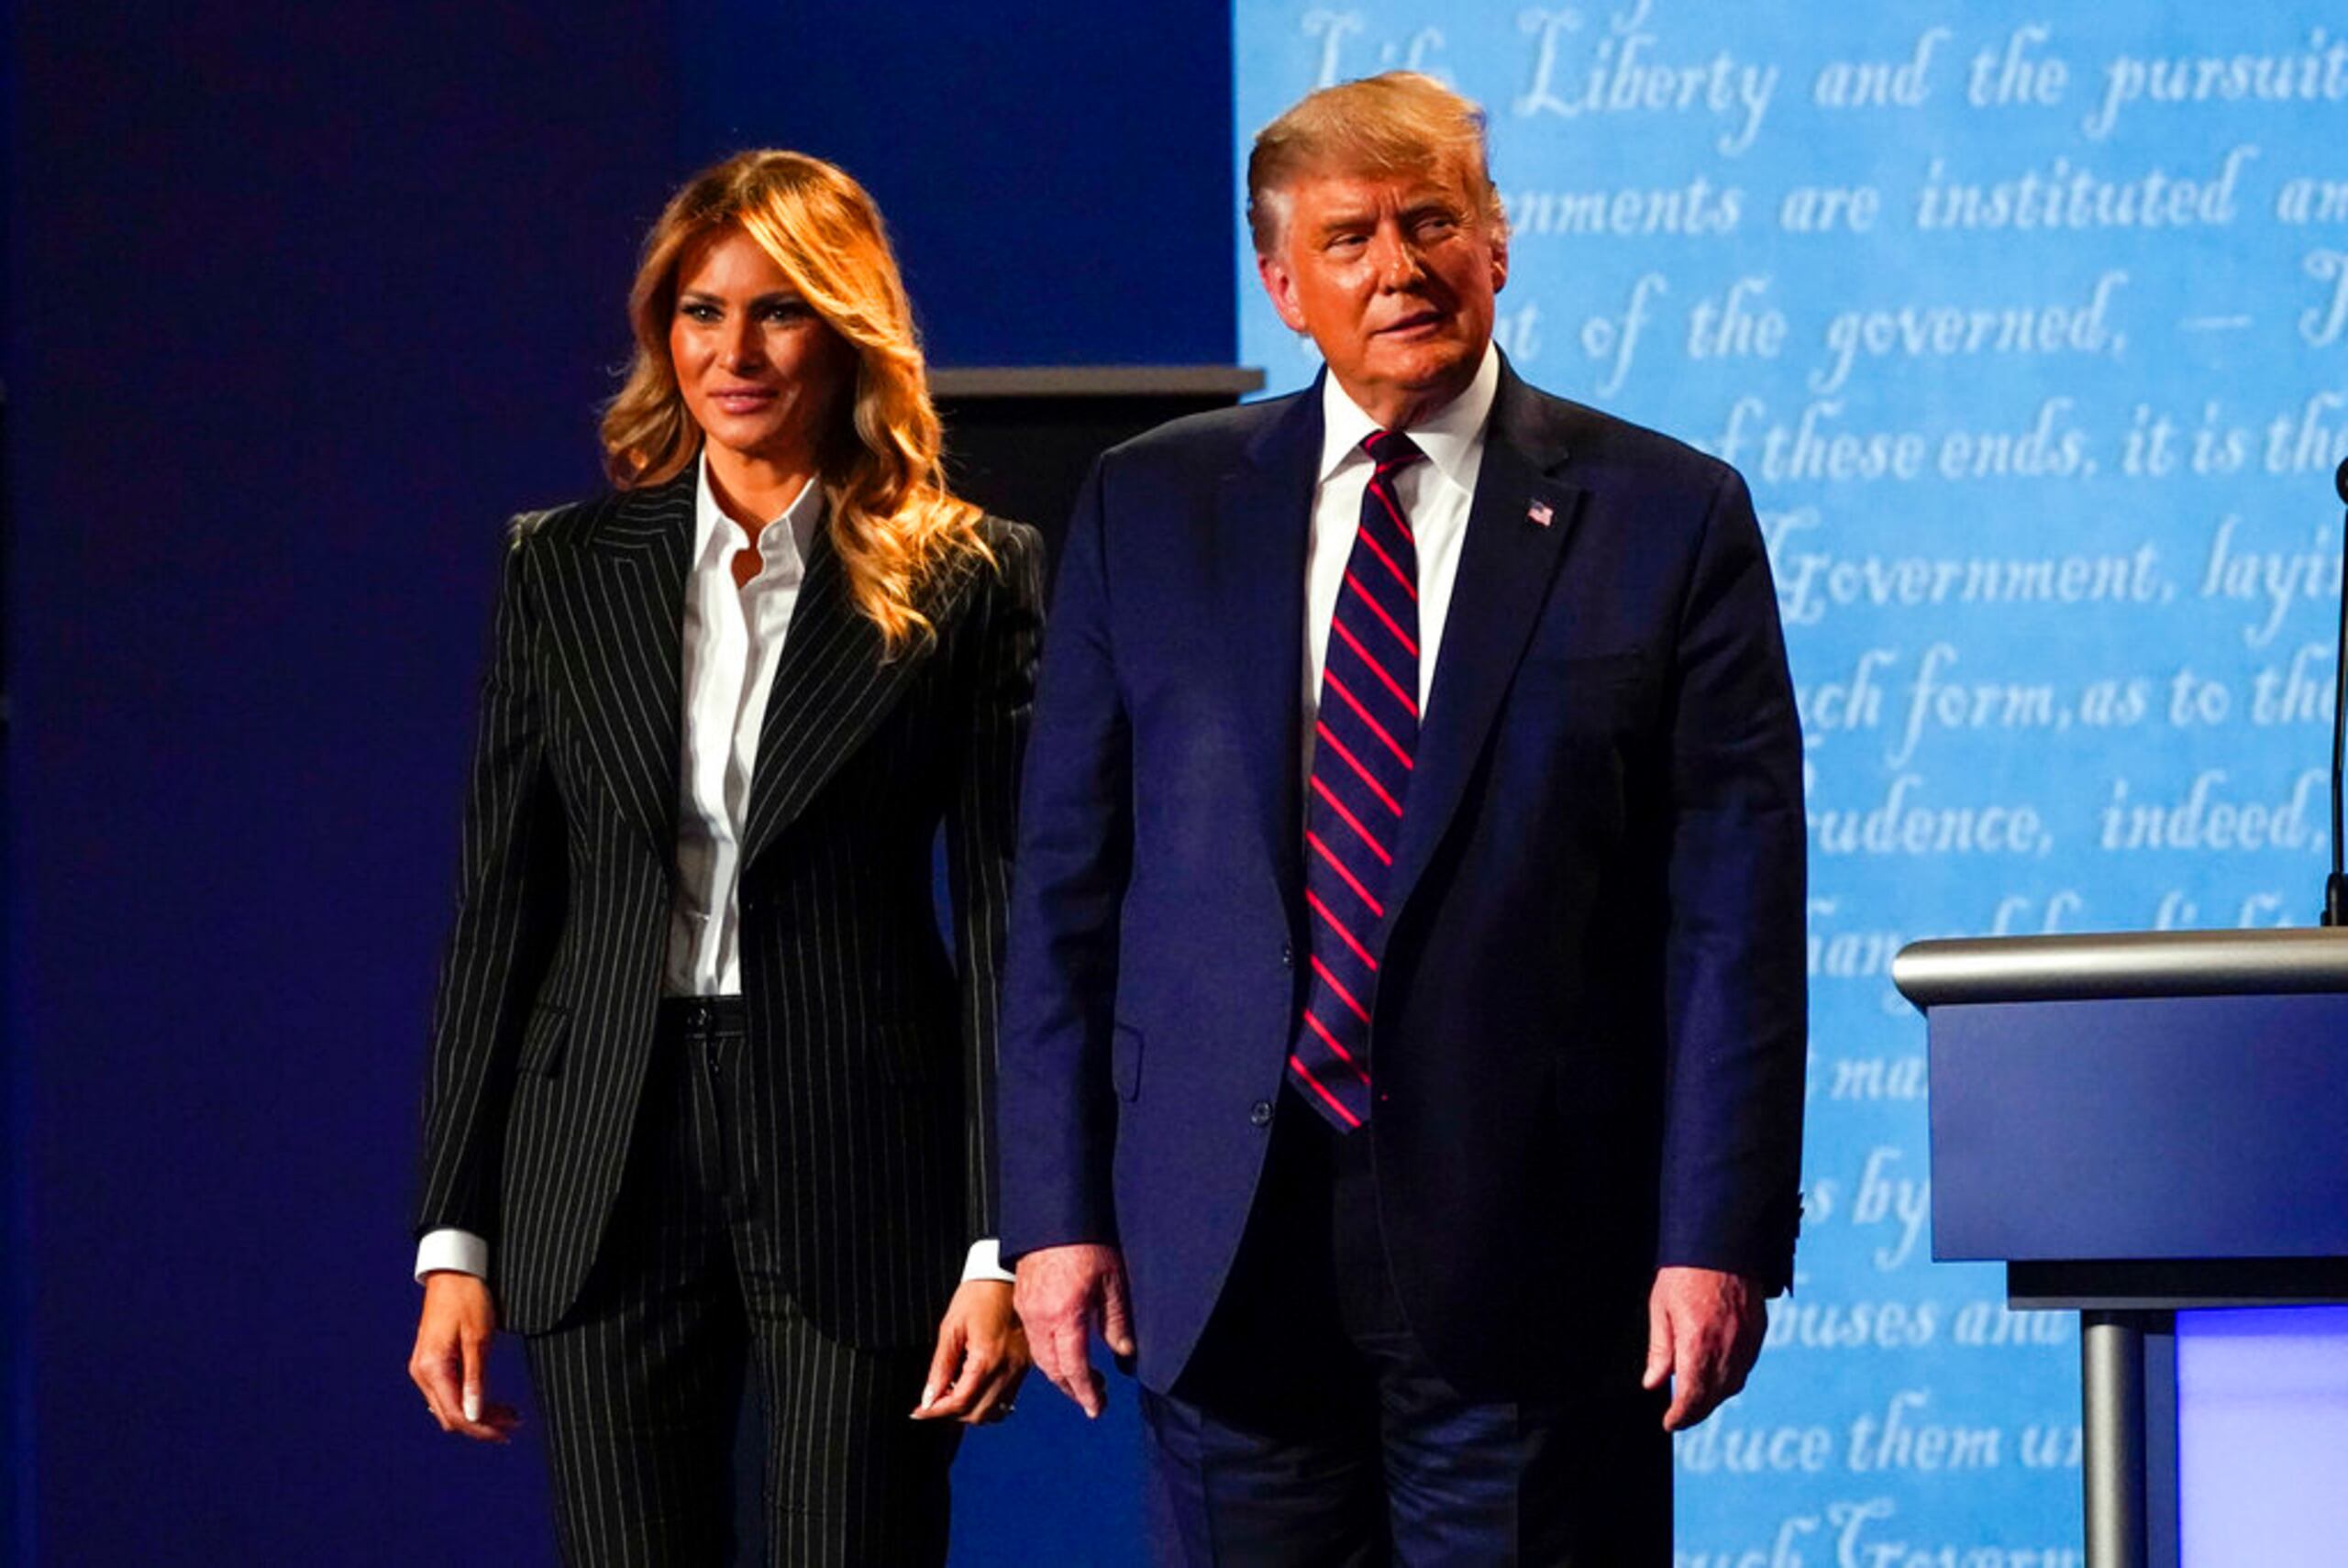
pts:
[1593, 692]
[1124, 1061]
[544, 1039]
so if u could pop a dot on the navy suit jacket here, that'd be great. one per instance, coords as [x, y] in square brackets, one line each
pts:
[1588, 1034]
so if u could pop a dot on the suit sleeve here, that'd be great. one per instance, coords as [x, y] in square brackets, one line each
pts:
[981, 829]
[1058, 1112]
[509, 903]
[1735, 985]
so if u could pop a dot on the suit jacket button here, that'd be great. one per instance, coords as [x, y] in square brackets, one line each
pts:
[1260, 1113]
[1288, 956]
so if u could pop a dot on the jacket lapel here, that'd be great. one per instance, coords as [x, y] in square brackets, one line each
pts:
[1517, 528]
[1263, 522]
[624, 650]
[832, 685]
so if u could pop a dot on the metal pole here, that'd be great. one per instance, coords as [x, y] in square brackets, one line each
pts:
[2111, 1390]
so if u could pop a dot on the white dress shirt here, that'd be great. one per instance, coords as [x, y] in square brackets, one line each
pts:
[1435, 496]
[733, 643]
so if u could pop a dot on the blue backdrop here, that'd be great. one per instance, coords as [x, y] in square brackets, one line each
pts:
[2027, 328]
[301, 300]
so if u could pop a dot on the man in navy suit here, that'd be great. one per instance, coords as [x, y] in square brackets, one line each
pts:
[1405, 1028]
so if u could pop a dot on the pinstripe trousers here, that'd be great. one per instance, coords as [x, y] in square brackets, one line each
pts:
[639, 1386]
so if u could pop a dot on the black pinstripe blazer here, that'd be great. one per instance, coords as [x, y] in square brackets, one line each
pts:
[869, 1074]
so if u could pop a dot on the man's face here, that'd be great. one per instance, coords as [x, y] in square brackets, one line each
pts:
[1394, 276]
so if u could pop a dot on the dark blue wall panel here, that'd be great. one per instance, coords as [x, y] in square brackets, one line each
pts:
[16, 1241]
[1056, 174]
[310, 297]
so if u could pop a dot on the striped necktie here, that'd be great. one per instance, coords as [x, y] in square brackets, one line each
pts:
[1364, 745]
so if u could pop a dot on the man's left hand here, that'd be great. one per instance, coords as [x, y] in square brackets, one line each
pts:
[1704, 1329]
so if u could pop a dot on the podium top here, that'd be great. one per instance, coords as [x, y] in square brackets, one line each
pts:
[2123, 963]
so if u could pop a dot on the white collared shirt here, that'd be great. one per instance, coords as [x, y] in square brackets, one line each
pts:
[1435, 496]
[732, 644]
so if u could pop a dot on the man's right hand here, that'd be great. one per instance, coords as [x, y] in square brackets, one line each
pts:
[451, 1361]
[1063, 1295]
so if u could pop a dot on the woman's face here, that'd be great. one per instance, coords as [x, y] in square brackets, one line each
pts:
[760, 372]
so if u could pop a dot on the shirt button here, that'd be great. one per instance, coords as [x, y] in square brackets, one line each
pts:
[1288, 956]
[1260, 1113]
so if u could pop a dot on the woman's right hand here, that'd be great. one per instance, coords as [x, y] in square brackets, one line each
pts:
[451, 1363]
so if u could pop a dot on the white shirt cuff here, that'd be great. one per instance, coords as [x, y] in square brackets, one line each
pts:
[985, 1261]
[462, 1251]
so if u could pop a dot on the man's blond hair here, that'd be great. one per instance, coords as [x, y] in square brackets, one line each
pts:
[1398, 122]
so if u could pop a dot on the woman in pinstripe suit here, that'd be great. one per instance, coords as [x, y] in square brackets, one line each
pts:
[709, 1099]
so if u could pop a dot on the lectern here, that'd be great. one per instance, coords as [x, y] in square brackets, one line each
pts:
[2137, 1126]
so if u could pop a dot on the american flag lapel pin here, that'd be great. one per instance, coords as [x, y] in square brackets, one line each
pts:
[1539, 511]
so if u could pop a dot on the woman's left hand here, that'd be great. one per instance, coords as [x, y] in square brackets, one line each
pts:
[981, 1355]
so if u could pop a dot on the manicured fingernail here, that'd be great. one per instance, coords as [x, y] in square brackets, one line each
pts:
[928, 1395]
[472, 1405]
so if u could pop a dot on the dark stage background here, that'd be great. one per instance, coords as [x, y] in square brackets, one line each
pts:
[301, 300]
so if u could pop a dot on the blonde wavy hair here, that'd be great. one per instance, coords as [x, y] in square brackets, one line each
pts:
[892, 519]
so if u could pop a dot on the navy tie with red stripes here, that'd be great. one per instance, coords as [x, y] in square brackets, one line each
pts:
[1365, 742]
